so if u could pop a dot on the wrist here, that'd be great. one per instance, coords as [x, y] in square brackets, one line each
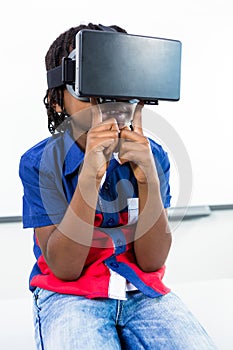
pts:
[149, 187]
[89, 184]
[150, 179]
[88, 177]
[149, 191]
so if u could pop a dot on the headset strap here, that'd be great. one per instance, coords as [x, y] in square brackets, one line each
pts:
[62, 75]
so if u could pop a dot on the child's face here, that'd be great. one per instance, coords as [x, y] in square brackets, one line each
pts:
[81, 112]
[73, 105]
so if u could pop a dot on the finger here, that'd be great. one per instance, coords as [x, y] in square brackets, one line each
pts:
[111, 148]
[113, 124]
[115, 131]
[112, 134]
[110, 124]
[137, 118]
[127, 135]
[96, 113]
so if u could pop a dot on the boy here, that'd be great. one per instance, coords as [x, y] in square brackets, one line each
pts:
[96, 194]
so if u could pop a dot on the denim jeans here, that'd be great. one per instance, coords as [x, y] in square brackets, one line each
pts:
[69, 322]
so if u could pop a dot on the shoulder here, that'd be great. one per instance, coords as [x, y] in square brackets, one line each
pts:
[35, 152]
[160, 156]
[49, 144]
[157, 150]
[33, 157]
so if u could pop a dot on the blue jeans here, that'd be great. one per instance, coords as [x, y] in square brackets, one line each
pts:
[68, 322]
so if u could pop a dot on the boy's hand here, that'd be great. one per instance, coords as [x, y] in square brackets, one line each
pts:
[102, 139]
[135, 148]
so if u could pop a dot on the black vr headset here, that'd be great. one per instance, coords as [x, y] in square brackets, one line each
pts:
[113, 66]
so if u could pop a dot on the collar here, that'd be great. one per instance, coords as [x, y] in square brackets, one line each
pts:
[73, 154]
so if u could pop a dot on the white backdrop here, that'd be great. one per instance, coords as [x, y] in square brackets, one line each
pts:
[202, 118]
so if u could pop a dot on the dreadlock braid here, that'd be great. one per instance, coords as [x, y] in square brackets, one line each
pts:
[61, 47]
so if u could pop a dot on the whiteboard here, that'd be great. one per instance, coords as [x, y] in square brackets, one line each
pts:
[202, 118]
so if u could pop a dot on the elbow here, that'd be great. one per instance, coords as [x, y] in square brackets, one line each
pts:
[65, 271]
[67, 276]
[64, 268]
[152, 263]
[151, 267]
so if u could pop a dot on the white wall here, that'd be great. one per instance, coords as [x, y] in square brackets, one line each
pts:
[202, 118]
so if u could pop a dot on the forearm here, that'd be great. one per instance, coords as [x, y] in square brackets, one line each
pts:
[152, 236]
[69, 243]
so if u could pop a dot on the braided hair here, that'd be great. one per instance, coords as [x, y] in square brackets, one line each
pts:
[61, 47]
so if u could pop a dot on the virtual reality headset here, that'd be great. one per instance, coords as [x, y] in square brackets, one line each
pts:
[113, 66]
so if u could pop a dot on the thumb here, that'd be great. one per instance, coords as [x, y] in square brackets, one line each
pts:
[96, 113]
[137, 118]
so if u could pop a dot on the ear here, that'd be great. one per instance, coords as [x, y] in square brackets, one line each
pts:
[57, 108]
